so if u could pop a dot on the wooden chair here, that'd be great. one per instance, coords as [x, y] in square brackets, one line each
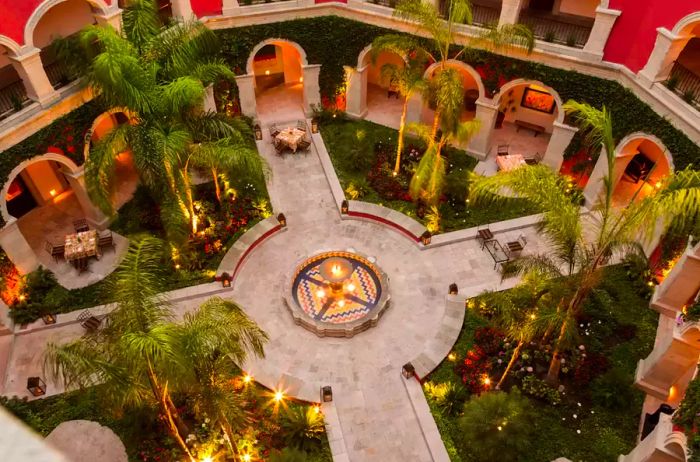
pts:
[56, 251]
[502, 150]
[304, 145]
[301, 125]
[280, 147]
[89, 321]
[274, 131]
[80, 264]
[536, 159]
[515, 248]
[81, 225]
[106, 240]
[484, 235]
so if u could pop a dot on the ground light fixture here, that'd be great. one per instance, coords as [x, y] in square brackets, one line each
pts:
[408, 371]
[225, 279]
[314, 125]
[36, 386]
[326, 394]
[426, 237]
[279, 396]
[282, 220]
[258, 132]
[344, 207]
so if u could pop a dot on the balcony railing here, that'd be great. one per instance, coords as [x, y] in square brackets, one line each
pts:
[13, 98]
[58, 75]
[569, 30]
[258, 2]
[483, 13]
[685, 83]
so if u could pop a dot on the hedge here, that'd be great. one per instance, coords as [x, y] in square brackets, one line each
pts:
[335, 42]
[65, 135]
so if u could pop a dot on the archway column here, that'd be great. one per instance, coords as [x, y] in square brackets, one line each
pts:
[36, 82]
[246, 94]
[562, 135]
[312, 93]
[357, 92]
[510, 11]
[604, 21]
[480, 145]
[594, 187]
[76, 180]
[666, 49]
[182, 9]
[229, 7]
[113, 18]
[17, 248]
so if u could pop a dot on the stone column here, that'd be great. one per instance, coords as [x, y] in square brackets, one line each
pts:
[510, 11]
[209, 100]
[230, 7]
[666, 49]
[113, 18]
[36, 82]
[480, 145]
[558, 142]
[680, 285]
[93, 215]
[17, 248]
[356, 92]
[312, 94]
[246, 94]
[182, 9]
[604, 21]
[594, 187]
[664, 444]
[415, 108]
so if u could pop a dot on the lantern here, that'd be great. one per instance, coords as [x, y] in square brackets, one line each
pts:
[258, 132]
[49, 319]
[326, 394]
[314, 125]
[425, 238]
[454, 290]
[225, 279]
[408, 370]
[36, 386]
[344, 207]
[282, 220]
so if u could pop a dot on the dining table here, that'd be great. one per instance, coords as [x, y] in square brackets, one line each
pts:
[81, 245]
[510, 162]
[497, 252]
[291, 137]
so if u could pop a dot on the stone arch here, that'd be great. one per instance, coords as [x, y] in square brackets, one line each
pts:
[641, 136]
[686, 23]
[364, 56]
[519, 82]
[10, 44]
[459, 65]
[41, 10]
[98, 120]
[271, 41]
[49, 156]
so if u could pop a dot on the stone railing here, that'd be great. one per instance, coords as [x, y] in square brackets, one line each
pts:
[13, 98]
[569, 30]
[685, 83]
[662, 444]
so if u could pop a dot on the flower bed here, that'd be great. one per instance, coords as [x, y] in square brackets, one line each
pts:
[592, 415]
[363, 155]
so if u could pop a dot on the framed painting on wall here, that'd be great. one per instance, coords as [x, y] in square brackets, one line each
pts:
[538, 100]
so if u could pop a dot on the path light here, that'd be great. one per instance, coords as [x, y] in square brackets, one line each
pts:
[246, 457]
[314, 125]
[49, 319]
[282, 220]
[247, 379]
[258, 132]
[326, 394]
[207, 459]
[225, 279]
[344, 207]
[486, 380]
[454, 290]
[36, 386]
[408, 370]
[452, 357]
[425, 237]
[279, 396]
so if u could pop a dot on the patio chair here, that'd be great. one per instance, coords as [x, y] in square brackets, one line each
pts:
[56, 251]
[89, 321]
[81, 225]
[105, 239]
[280, 147]
[274, 131]
[304, 145]
[80, 264]
[301, 125]
[534, 160]
[484, 235]
[515, 248]
[502, 150]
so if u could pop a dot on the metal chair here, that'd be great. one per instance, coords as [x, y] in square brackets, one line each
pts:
[280, 147]
[516, 247]
[89, 321]
[304, 145]
[106, 240]
[81, 225]
[274, 131]
[301, 125]
[483, 235]
[56, 251]
[502, 149]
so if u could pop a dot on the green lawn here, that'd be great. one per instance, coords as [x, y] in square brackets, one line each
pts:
[622, 329]
[353, 147]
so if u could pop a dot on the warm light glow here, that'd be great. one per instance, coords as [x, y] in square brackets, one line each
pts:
[53, 193]
[320, 293]
[279, 396]
[177, 266]
[487, 381]
[650, 283]
[341, 303]
[538, 87]
[267, 72]
[246, 457]
[317, 409]
[335, 269]
[208, 459]
[247, 378]
[532, 316]
[657, 185]
[301, 79]
[22, 298]
[672, 393]
[499, 428]
[452, 356]
[351, 287]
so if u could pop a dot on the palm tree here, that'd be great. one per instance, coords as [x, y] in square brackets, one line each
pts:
[582, 245]
[408, 79]
[129, 355]
[157, 75]
[208, 344]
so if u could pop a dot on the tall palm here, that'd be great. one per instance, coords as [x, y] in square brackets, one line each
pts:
[407, 79]
[208, 344]
[608, 228]
[130, 355]
[157, 74]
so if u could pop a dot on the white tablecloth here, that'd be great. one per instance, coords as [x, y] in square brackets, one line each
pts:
[510, 162]
[291, 137]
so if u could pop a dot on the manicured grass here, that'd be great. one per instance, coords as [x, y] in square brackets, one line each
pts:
[352, 148]
[622, 329]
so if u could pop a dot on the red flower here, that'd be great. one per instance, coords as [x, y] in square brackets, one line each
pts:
[71, 149]
[69, 138]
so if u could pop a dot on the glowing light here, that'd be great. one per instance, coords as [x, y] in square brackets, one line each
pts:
[320, 293]
[267, 72]
[657, 185]
[53, 193]
[532, 316]
[351, 287]
[394, 173]
[317, 409]
[499, 428]
[22, 298]
[452, 356]
[208, 459]
[336, 270]
[487, 381]
[246, 457]
[279, 396]
[177, 266]
[247, 378]
[650, 283]
[301, 79]
[341, 303]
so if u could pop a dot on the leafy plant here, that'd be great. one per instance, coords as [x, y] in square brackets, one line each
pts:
[672, 82]
[689, 96]
[571, 41]
[612, 390]
[303, 427]
[550, 36]
[289, 455]
[497, 426]
[541, 390]
[448, 396]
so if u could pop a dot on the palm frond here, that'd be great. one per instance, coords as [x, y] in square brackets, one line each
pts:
[100, 167]
[507, 36]
[428, 180]
[141, 22]
[182, 95]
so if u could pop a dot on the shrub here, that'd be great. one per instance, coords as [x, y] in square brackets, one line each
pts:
[590, 367]
[288, 455]
[497, 426]
[541, 390]
[571, 41]
[550, 36]
[612, 390]
[448, 396]
[303, 427]
[672, 82]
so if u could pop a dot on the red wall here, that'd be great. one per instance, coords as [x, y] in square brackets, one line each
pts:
[14, 16]
[634, 34]
[206, 7]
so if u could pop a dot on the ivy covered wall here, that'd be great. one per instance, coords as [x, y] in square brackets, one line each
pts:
[335, 42]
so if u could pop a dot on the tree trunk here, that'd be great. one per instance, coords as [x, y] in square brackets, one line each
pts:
[436, 125]
[190, 199]
[181, 425]
[513, 358]
[555, 363]
[402, 126]
[216, 184]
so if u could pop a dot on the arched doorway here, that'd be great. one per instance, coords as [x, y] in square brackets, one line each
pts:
[527, 112]
[277, 69]
[471, 83]
[124, 169]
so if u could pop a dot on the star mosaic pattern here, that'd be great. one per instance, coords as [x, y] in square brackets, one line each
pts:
[308, 285]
